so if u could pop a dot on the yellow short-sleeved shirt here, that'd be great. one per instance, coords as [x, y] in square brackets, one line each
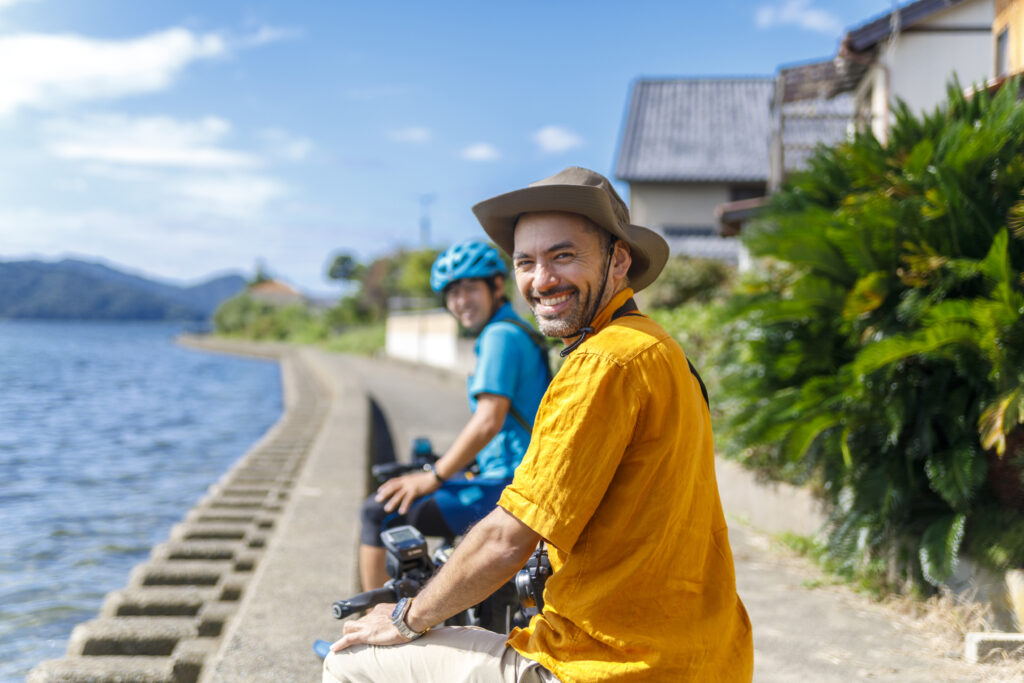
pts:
[620, 479]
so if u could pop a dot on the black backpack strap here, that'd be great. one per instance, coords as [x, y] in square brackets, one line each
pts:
[539, 340]
[630, 308]
[703, 389]
[518, 417]
[541, 343]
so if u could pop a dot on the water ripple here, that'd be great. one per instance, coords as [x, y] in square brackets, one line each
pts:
[108, 434]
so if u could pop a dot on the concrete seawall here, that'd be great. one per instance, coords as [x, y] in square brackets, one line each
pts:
[244, 583]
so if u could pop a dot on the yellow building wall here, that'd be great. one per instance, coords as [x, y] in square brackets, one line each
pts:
[1010, 14]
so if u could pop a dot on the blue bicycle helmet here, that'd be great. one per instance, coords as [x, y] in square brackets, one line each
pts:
[468, 259]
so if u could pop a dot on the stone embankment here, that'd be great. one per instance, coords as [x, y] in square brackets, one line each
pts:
[188, 613]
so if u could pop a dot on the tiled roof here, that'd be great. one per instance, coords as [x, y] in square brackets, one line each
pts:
[869, 34]
[697, 130]
[273, 287]
[820, 80]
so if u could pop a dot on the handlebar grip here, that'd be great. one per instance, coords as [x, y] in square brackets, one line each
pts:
[390, 470]
[362, 601]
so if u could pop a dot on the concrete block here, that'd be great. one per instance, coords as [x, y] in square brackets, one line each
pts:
[224, 532]
[1015, 596]
[200, 515]
[236, 491]
[979, 647]
[243, 504]
[214, 616]
[131, 636]
[196, 549]
[179, 574]
[190, 656]
[170, 601]
[105, 670]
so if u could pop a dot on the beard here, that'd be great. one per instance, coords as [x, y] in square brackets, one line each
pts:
[569, 323]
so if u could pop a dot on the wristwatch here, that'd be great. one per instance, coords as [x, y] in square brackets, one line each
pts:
[432, 469]
[398, 619]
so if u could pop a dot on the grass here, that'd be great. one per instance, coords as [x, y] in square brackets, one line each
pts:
[363, 339]
[942, 620]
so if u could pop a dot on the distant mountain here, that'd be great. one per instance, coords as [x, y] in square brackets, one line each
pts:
[82, 290]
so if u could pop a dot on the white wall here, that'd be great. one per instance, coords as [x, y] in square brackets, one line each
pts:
[920, 63]
[428, 337]
[654, 205]
[657, 205]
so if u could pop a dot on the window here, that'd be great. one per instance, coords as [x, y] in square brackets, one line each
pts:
[1003, 52]
[738, 192]
[688, 230]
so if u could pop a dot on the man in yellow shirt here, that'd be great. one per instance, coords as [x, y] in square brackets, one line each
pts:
[619, 480]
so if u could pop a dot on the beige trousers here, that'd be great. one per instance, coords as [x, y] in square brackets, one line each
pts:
[445, 655]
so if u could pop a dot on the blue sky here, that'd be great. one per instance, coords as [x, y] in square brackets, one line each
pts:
[184, 138]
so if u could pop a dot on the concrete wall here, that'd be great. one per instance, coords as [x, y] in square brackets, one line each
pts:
[657, 205]
[428, 337]
[654, 205]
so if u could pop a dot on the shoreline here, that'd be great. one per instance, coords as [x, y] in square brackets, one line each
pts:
[232, 593]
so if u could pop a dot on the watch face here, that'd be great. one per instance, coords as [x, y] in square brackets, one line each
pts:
[397, 613]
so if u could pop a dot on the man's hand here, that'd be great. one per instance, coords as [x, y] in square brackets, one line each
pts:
[373, 629]
[401, 491]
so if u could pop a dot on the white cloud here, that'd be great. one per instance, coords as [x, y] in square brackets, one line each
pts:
[798, 13]
[146, 141]
[7, 4]
[414, 134]
[51, 70]
[481, 151]
[555, 139]
[283, 145]
[233, 196]
[188, 249]
[269, 34]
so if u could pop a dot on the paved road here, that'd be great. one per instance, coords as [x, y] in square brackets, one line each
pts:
[802, 633]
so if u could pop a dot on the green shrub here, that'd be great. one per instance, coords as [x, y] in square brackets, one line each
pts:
[362, 339]
[243, 316]
[686, 279]
[881, 355]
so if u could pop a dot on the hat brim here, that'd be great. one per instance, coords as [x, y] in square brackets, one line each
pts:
[498, 216]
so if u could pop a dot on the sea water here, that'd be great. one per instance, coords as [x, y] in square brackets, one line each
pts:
[109, 433]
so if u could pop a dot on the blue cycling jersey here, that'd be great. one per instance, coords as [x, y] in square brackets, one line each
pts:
[510, 364]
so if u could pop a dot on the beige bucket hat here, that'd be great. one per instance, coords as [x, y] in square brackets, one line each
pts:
[582, 191]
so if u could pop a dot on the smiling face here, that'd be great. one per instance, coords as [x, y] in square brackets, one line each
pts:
[560, 261]
[473, 301]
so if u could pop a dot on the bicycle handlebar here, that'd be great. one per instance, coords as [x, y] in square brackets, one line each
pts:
[363, 601]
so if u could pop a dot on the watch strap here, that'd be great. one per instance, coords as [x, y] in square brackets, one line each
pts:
[398, 619]
[433, 470]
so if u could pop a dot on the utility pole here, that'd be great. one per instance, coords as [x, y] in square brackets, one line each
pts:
[425, 201]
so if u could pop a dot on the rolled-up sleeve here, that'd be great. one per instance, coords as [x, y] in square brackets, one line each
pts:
[584, 423]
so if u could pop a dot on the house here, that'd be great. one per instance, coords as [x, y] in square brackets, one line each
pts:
[690, 144]
[1008, 36]
[909, 54]
[913, 52]
[276, 293]
[699, 155]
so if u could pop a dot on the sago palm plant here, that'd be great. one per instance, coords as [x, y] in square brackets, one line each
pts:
[881, 355]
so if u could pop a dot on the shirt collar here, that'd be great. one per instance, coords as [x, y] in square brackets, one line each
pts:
[604, 316]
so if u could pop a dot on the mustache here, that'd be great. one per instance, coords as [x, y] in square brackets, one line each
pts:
[534, 294]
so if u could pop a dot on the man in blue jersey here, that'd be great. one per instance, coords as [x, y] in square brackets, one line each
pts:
[504, 390]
